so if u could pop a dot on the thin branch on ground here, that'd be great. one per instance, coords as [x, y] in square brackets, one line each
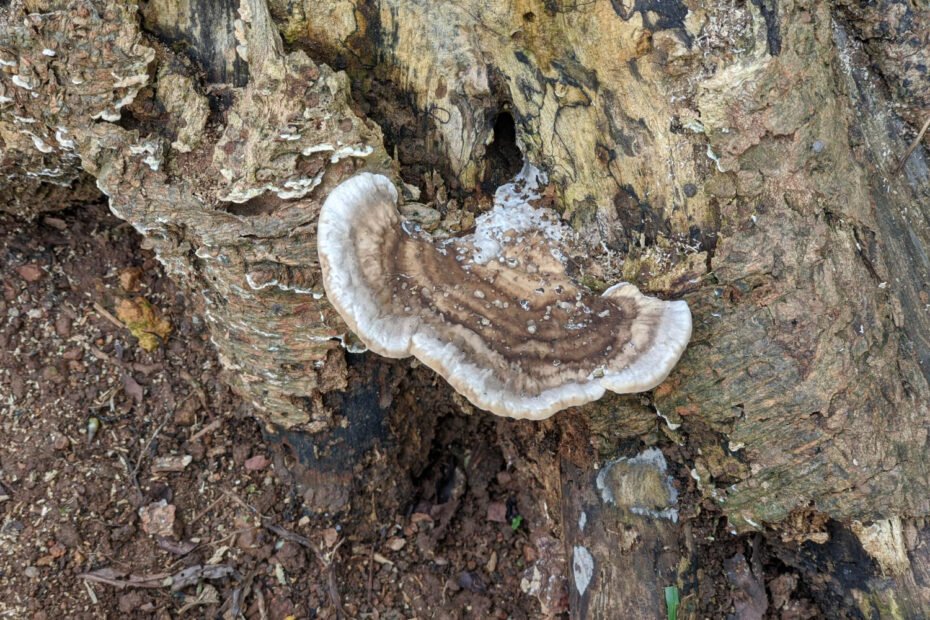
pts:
[913, 146]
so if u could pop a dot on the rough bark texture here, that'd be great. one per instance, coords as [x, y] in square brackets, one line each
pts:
[743, 156]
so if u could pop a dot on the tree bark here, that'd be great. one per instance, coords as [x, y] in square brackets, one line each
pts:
[746, 157]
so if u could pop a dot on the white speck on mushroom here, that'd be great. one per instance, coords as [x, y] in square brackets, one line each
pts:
[604, 314]
[479, 294]
[531, 327]
[48, 52]
[7, 63]
[525, 304]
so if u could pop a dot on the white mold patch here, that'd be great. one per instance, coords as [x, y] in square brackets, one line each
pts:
[640, 484]
[512, 215]
[582, 568]
[150, 150]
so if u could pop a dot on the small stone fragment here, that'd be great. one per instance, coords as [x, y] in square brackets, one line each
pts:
[173, 463]
[158, 519]
[380, 559]
[497, 512]
[257, 462]
[56, 223]
[491, 566]
[330, 537]
[396, 543]
[185, 414]
[63, 326]
[30, 273]
[60, 442]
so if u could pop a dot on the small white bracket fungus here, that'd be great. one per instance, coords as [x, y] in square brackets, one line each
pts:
[466, 315]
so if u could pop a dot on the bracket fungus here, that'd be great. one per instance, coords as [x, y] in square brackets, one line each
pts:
[494, 311]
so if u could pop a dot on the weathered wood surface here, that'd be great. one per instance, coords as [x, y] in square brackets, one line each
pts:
[741, 156]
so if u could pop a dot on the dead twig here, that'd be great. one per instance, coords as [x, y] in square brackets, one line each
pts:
[106, 314]
[209, 428]
[112, 577]
[148, 444]
[200, 515]
[371, 573]
[326, 561]
[196, 387]
[913, 146]
[177, 581]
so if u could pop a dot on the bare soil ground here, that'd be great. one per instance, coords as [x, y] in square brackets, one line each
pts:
[134, 482]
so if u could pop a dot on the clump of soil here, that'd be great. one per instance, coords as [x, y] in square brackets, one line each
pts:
[135, 482]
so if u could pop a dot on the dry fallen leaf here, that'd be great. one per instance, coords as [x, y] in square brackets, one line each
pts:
[144, 322]
[207, 596]
[129, 279]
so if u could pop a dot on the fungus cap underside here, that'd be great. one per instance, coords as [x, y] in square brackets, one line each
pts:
[515, 335]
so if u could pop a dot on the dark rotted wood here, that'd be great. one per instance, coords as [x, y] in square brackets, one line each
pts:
[634, 557]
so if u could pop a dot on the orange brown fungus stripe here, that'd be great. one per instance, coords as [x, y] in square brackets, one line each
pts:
[515, 335]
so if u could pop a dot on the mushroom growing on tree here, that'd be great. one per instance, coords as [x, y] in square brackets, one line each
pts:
[495, 311]
[759, 158]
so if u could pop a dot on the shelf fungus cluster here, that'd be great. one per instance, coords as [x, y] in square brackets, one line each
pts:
[494, 311]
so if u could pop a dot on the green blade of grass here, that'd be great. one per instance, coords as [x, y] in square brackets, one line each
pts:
[671, 602]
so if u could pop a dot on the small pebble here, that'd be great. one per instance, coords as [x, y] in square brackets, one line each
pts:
[63, 327]
[30, 273]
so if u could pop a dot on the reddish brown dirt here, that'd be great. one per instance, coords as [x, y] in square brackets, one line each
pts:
[70, 503]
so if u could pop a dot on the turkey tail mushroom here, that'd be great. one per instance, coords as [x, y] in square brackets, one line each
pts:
[494, 312]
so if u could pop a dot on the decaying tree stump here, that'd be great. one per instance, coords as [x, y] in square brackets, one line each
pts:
[744, 156]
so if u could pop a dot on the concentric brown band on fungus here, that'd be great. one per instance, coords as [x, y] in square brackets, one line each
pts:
[513, 334]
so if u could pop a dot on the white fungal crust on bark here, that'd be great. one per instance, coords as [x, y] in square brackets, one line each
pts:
[508, 329]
